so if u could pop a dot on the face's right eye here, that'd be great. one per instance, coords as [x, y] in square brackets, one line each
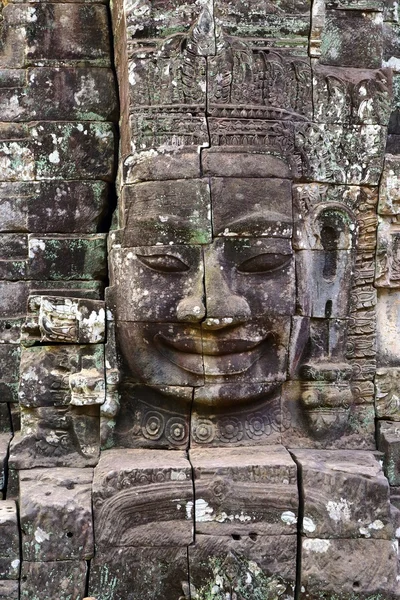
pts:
[164, 263]
[264, 263]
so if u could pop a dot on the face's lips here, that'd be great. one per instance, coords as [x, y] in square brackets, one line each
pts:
[211, 354]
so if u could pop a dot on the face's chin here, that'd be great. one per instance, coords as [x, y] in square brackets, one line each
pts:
[185, 355]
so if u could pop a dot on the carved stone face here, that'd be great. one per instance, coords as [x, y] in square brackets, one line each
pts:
[200, 314]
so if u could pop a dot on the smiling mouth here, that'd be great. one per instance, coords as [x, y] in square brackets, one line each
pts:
[212, 356]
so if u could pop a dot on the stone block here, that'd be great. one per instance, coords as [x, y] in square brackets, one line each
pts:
[61, 375]
[353, 154]
[9, 540]
[54, 150]
[181, 163]
[234, 270]
[55, 34]
[268, 211]
[354, 96]
[9, 590]
[9, 372]
[14, 299]
[257, 419]
[45, 580]
[387, 274]
[146, 573]
[45, 93]
[147, 419]
[331, 273]
[348, 426]
[63, 257]
[60, 436]
[147, 272]
[233, 162]
[77, 206]
[387, 393]
[389, 444]
[63, 319]
[349, 569]
[389, 194]
[241, 490]
[142, 498]
[391, 46]
[167, 212]
[345, 494]
[248, 565]
[352, 38]
[56, 514]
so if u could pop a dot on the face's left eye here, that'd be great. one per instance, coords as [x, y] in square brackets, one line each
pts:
[164, 263]
[264, 263]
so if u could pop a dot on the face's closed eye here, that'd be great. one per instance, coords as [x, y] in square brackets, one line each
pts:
[163, 263]
[264, 263]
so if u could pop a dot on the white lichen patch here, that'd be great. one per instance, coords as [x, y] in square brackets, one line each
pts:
[315, 545]
[35, 245]
[41, 536]
[288, 517]
[309, 525]
[339, 511]
[94, 325]
[54, 157]
[203, 511]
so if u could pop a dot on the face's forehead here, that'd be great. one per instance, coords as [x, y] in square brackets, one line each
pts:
[228, 200]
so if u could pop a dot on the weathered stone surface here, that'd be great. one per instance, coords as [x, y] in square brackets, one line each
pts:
[331, 272]
[67, 256]
[56, 514]
[61, 375]
[168, 212]
[55, 34]
[389, 444]
[136, 491]
[148, 573]
[9, 540]
[146, 418]
[53, 150]
[256, 279]
[345, 495]
[352, 38]
[238, 414]
[387, 389]
[349, 569]
[250, 565]
[236, 162]
[144, 273]
[61, 436]
[351, 95]
[334, 153]
[44, 580]
[45, 93]
[267, 213]
[178, 163]
[389, 197]
[9, 590]
[77, 206]
[240, 490]
[62, 319]
[343, 427]
[9, 372]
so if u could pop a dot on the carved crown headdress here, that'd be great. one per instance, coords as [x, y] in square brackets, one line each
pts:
[207, 87]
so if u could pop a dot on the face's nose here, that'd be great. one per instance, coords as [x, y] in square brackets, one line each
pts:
[191, 309]
[223, 307]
